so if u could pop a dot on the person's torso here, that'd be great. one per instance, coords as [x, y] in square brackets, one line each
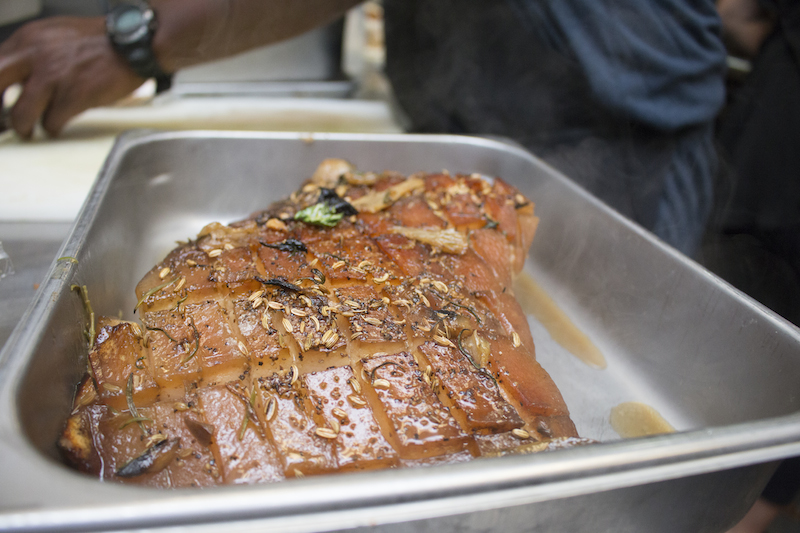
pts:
[543, 71]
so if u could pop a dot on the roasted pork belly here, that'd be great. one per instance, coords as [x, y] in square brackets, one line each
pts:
[367, 321]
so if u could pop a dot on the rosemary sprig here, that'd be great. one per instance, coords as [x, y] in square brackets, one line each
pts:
[84, 292]
[154, 290]
[372, 374]
[178, 305]
[279, 282]
[164, 332]
[196, 342]
[132, 406]
[289, 245]
[466, 354]
[249, 410]
[89, 331]
[137, 419]
[465, 308]
[317, 278]
[243, 427]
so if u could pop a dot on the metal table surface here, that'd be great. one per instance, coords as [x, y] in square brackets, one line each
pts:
[32, 246]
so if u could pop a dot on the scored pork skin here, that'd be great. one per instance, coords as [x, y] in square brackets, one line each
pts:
[276, 347]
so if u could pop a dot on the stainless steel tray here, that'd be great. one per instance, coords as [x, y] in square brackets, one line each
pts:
[722, 369]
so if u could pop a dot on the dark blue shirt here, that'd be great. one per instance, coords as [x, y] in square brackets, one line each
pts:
[545, 71]
[659, 62]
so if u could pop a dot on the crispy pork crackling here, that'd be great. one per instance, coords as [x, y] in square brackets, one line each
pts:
[365, 322]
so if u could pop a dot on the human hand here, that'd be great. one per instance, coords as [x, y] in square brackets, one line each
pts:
[65, 65]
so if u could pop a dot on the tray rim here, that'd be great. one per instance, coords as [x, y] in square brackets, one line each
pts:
[606, 466]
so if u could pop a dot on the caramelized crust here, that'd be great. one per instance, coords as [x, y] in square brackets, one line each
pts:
[357, 437]
[365, 322]
[474, 392]
[422, 425]
[289, 419]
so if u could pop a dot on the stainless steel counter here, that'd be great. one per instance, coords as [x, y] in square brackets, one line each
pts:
[32, 246]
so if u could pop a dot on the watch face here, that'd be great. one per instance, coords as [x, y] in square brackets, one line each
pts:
[128, 20]
[129, 23]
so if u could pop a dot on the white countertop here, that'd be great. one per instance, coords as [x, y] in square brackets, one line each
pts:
[48, 179]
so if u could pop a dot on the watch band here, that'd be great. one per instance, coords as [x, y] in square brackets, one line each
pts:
[135, 44]
[142, 60]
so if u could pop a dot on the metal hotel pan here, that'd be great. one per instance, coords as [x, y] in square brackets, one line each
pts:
[722, 369]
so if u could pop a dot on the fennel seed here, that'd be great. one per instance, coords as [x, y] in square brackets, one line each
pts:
[520, 433]
[516, 340]
[355, 400]
[243, 348]
[257, 294]
[355, 384]
[272, 409]
[326, 433]
[381, 383]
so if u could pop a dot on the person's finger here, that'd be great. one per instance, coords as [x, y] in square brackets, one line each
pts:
[14, 68]
[54, 121]
[63, 106]
[31, 105]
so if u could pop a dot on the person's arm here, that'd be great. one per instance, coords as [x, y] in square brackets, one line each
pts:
[745, 25]
[67, 65]
[196, 31]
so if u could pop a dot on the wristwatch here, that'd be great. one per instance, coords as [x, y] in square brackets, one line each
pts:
[130, 26]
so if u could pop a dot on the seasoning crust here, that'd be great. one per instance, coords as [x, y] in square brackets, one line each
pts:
[367, 321]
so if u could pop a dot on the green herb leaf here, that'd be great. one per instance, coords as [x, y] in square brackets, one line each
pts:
[319, 214]
[132, 406]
